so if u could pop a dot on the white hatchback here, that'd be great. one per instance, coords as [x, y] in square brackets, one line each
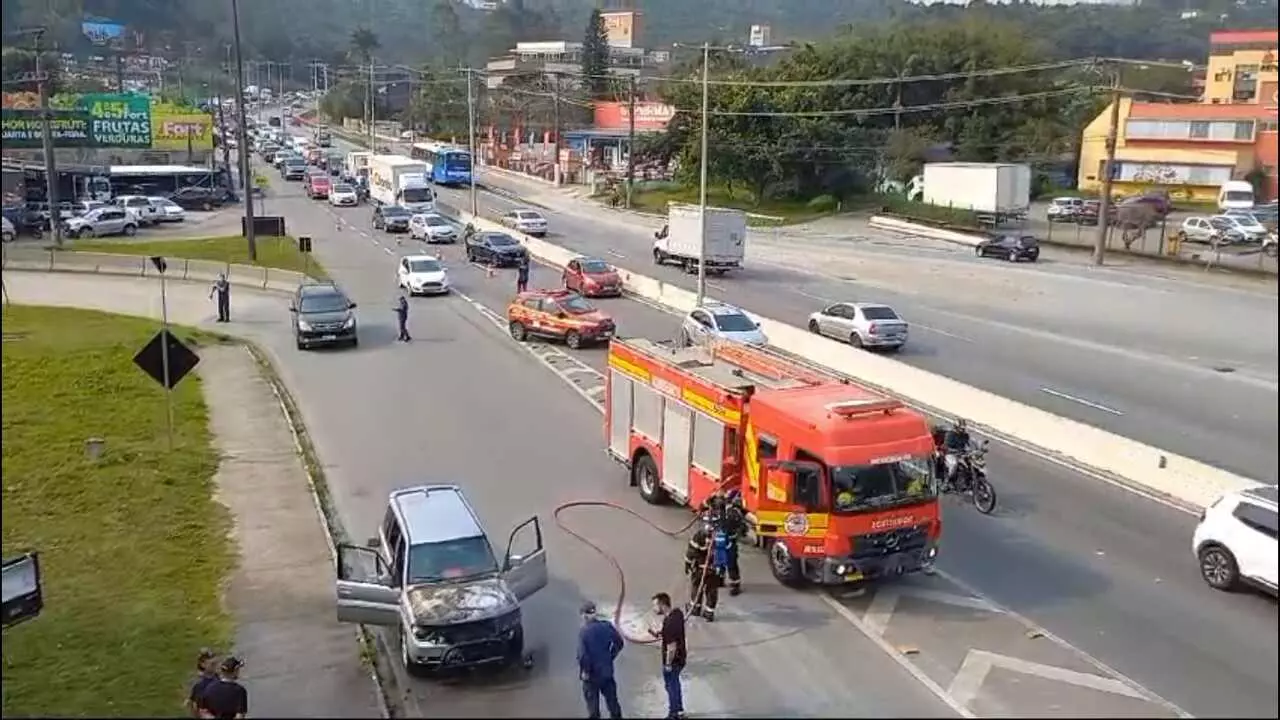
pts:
[1235, 542]
[422, 275]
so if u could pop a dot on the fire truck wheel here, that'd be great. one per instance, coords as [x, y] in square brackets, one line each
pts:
[644, 475]
[785, 568]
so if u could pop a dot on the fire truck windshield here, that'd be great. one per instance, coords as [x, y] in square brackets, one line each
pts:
[863, 487]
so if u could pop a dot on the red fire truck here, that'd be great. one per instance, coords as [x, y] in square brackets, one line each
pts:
[836, 480]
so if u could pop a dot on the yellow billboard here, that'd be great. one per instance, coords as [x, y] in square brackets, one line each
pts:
[177, 128]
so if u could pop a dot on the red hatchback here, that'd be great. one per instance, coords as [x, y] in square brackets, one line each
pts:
[592, 277]
[318, 186]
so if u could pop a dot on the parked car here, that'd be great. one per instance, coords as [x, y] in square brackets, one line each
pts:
[1246, 224]
[494, 248]
[862, 325]
[1010, 247]
[146, 211]
[170, 211]
[109, 220]
[391, 218]
[1064, 209]
[592, 277]
[529, 222]
[323, 315]
[559, 315]
[198, 198]
[1209, 230]
[422, 275]
[10, 231]
[432, 228]
[343, 195]
[1235, 542]
[720, 321]
[1088, 212]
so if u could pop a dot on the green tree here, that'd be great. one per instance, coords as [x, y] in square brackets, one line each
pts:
[451, 40]
[595, 56]
[439, 106]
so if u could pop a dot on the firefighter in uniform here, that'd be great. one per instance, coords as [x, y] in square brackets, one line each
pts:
[734, 523]
[707, 560]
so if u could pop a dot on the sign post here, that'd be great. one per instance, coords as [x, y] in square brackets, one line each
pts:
[161, 266]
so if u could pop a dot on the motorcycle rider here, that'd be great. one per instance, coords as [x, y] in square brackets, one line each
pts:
[954, 444]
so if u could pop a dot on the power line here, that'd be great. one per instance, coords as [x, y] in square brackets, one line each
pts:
[906, 109]
[861, 82]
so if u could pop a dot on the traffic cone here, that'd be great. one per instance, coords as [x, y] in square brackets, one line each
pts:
[490, 272]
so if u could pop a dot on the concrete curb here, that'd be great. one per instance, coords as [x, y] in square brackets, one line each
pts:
[180, 269]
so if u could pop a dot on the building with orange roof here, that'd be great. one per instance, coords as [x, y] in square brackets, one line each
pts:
[1191, 148]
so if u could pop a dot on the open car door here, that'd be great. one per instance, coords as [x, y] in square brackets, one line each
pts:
[525, 568]
[365, 588]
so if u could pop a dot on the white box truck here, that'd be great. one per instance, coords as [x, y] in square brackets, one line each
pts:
[398, 180]
[357, 164]
[992, 188]
[680, 240]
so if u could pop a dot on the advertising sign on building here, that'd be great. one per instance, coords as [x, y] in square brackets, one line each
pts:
[623, 28]
[617, 116]
[102, 31]
[95, 120]
[176, 128]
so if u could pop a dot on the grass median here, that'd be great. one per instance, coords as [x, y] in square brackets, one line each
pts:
[134, 551]
[273, 252]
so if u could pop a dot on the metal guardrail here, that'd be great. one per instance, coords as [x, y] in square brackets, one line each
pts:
[53, 260]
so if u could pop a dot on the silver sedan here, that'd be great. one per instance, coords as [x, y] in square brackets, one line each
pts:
[862, 325]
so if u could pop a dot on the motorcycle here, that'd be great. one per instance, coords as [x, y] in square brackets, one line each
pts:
[970, 479]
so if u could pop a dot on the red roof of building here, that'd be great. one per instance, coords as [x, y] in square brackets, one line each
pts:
[1244, 37]
[1199, 111]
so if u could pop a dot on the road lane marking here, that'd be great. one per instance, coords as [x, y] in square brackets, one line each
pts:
[1081, 401]
[936, 331]
[978, 664]
[616, 254]
[388, 251]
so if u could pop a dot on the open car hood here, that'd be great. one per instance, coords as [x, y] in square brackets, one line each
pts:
[453, 603]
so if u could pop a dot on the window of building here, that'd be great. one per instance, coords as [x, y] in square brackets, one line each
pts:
[1200, 130]
[1211, 130]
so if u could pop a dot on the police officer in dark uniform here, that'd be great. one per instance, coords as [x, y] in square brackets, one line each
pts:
[522, 275]
[402, 318]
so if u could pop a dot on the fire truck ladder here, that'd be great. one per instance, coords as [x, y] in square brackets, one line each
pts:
[774, 365]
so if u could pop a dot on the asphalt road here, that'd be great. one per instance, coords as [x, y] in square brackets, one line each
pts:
[1164, 357]
[1107, 572]
[1183, 366]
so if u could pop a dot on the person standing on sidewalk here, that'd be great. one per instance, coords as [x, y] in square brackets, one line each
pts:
[207, 673]
[674, 652]
[402, 318]
[225, 698]
[599, 644]
[522, 275]
[222, 289]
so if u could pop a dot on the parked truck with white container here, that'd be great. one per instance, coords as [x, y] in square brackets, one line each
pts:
[679, 242]
[1000, 189]
[399, 180]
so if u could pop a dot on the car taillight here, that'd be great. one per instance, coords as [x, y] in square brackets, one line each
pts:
[872, 329]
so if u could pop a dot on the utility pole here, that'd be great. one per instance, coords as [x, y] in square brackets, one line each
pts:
[119, 48]
[471, 142]
[373, 147]
[243, 138]
[1108, 171]
[555, 122]
[631, 140]
[702, 176]
[46, 132]
[280, 92]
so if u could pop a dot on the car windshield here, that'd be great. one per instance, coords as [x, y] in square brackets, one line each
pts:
[879, 313]
[596, 267]
[1221, 223]
[436, 221]
[295, 162]
[424, 266]
[734, 322]
[452, 560]
[394, 211]
[575, 305]
[502, 240]
[417, 195]
[458, 161]
[1248, 221]
[339, 189]
[1237, 195]
[323, 303]
[530, 216]
[859, 487]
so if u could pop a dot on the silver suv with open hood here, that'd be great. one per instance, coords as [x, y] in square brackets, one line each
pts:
[432, 577]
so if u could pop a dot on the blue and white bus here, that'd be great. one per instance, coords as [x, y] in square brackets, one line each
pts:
[450, 164]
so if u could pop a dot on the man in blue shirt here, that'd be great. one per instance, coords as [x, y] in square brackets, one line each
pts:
[599, 644]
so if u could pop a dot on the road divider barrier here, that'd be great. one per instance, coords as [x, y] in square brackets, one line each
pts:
[890, 224]
[52, 260]
[1187, 482]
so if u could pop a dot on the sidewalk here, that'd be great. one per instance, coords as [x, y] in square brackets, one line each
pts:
[299, 661]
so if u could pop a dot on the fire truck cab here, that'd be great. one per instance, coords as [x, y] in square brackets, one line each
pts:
[836, 480]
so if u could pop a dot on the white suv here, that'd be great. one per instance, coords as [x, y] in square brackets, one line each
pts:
[1235, 541]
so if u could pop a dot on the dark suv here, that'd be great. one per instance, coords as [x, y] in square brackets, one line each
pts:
[323, 315]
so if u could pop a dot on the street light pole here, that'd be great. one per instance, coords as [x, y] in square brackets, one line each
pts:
[702, 180]
[471, 142]
[243, 138]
